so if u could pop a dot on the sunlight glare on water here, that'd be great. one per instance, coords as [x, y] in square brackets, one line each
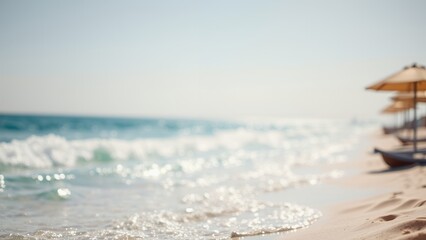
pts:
[195, 179]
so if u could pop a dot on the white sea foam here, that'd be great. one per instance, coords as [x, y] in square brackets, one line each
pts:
[52, 150]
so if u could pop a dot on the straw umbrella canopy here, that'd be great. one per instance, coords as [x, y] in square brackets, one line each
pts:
[398, 106]
[409, 96]
[410, 79]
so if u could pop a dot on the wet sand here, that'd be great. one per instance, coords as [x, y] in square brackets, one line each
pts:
[396, 211]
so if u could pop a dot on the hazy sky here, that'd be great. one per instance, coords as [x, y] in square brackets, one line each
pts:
[227, 58]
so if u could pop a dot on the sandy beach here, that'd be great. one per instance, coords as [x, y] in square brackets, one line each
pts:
[398, 211]
[242, 120]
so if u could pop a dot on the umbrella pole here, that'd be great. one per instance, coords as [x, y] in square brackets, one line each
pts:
[395, 121]
[415, 117]
[408, 124]
[403, 123]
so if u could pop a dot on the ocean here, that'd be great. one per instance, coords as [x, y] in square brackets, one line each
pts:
[152, 178]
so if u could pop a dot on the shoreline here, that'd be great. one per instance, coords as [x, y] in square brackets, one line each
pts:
[396, 211]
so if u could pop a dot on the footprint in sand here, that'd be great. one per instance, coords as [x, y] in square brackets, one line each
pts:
[409, 203]
[386, 218]
[419, 204]
[414, 227]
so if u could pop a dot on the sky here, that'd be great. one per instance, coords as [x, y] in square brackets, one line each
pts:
[222, 58]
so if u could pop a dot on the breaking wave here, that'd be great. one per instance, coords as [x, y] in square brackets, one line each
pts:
[56, 151]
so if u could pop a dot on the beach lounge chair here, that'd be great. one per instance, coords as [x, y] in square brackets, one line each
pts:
[390, 130]
[403, 158]
[408, 140]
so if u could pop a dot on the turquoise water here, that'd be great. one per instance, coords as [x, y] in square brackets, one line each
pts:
[90, 177]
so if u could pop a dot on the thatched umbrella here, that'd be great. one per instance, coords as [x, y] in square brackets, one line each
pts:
[409, 96]
[398, 106]
[410, 79]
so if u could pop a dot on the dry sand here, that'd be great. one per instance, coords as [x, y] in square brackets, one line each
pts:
[399, 212]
